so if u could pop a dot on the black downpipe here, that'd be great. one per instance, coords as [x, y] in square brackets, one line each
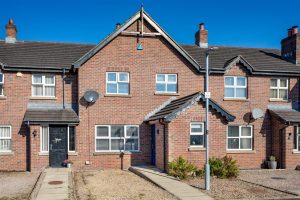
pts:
[164, 150]
[63, 82]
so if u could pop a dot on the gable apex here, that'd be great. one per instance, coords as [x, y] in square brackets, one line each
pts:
[238, 59]
[141, 14]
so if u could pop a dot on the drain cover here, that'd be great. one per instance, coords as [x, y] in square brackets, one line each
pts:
[278, 178]
[55, 182]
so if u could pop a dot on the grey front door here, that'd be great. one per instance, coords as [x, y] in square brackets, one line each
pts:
[58, 145]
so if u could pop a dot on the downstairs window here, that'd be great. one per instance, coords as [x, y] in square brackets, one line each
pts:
[239, 137]
[296, 138]
[5, 138]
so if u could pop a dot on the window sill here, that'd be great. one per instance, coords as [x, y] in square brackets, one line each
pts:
[166, 94]
[43, 98]
[196, 148]
[234, 99]
[115, 153]
[278, 100]
[7, 153]
[296, 152]
[3, 97]
[73, 154]
[118, 95]
[43, 154]
[241, 151]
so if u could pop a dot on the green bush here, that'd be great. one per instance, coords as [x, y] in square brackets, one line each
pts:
[181, 168]
[225, 167]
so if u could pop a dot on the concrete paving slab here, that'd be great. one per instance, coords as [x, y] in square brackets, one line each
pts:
[177, 188]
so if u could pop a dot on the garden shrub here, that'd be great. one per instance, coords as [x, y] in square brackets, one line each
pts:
[181, 168]
[225, 167]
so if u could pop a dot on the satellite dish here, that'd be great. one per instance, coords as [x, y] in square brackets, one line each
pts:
[91, 96]
[257, 113]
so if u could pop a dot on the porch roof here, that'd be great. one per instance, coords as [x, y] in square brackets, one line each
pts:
[59, 116]
[177, 106]
[287, 116]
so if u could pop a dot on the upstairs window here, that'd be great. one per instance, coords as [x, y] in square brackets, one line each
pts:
[196, 134]
[5, 138]
[166, 83]
[43, 85]
[279, 89]
[239, 137]
[1, 84]
[117, 83]
[236, 87]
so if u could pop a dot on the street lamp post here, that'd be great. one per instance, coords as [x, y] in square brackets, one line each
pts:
[207, 96]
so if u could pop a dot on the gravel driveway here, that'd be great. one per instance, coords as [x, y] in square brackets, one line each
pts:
[285, 180]
[16, 185]
[116, 185]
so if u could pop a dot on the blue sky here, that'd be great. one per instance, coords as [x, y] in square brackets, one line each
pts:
[254, 23]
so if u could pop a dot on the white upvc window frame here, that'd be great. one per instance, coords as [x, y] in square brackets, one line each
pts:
[166, 82]
[48, 135]
[7, 138]
[109, 137]
[240, 137]
[197, 133]
[43, 84]
[278, 88]
[42, 139]
[2, 83]
[296, 138]
[117, 82]
[235, 87]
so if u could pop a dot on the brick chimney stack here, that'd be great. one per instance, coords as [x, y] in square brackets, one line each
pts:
[118, 25]
[11, 32]
[201, 37]
[290, 46]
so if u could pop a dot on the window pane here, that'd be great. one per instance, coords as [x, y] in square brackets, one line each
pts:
[117, 131]
[112, 88]
[241, 92]
[1, 78]
[246, 131]
[283, 94]
[49, 79]
[37, 79]
[1, 89]
[233, 131]
[172, 78]
[5, 145]
[102, 144]
[111, 76]
[37, 90]
[102, 131]
[117, 144]
[123, 88]
[131, 131]
[5, 132]
[196, 140]
[196, 128]
[283, 82]
[132, 145]
[171, 87]
[246, 143]
[160, 87]
[49, 91]
[241, 81]
[233, 143]
[71, 138]
[44, 139]
[229, 92]
[273, 82]
[123, 77]
[295, 137]
[273, 93]
[229, 81]
[160, 77]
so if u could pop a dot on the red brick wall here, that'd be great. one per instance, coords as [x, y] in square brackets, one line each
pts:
[121, 55]
[12, 108]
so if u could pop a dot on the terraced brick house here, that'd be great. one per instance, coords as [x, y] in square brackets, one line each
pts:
[151, 107]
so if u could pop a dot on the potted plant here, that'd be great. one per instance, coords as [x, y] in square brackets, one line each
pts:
[272, 163]
[68, 163]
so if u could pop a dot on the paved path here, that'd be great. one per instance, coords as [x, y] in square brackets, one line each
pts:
[54, 191]
[179, 189]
